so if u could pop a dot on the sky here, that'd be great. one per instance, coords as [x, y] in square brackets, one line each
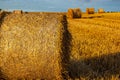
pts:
[59, 5]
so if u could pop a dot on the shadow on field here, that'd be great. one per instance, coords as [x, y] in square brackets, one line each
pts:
[2, 75]
[91, 17]
[66, 44]
[104, 66]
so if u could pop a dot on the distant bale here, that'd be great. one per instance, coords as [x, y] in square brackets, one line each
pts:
[90, 10]
[77, 13]
[101, 10]
[18, 11]
[70, 13]
[74, 13]
[2, 14]
[30, 46]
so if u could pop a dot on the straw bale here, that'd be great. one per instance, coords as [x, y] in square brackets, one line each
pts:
[77, 13]
[90, 10]
[30, 46]
[74, 13]
[2, 13]
[70, 13]
[101, 10]
[18, 11]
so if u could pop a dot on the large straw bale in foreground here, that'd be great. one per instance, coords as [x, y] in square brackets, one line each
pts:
[74, 13]
[90, 10]
[30, 46]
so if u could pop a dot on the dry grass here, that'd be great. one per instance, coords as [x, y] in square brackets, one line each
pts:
[95, 50]
[30, 46]
[113, 16]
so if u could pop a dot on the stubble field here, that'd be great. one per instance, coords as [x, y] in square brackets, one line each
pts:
[95, 50]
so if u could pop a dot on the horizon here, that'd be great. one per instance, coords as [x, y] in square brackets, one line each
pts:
[58, 5]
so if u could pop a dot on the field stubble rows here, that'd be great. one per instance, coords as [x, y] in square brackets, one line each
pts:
[95, 50]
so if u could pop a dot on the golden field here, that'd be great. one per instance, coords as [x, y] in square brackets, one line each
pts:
[95, 47]
[49, 46]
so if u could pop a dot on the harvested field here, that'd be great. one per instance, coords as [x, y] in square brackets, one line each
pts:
[30, 46]
[95, 50]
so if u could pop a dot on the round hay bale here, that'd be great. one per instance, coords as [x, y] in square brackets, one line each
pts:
[77, 13]
[70, 13]
[101, 10]
[2, 14]
[74, 13]
[90, 10]
[18, 11]
[34, 50]
[87, 10]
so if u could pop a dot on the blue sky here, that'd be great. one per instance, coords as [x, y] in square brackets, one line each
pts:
[59, 5]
